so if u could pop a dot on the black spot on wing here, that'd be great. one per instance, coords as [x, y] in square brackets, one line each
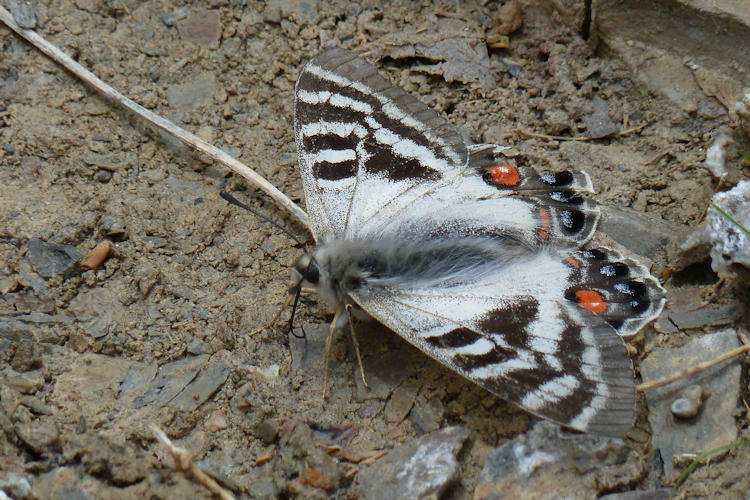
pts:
[384, 162]
[318, 142]
[511, 321]
[310, 113]
[455, 338]
[571, 221]
[471, 362]
[563, 178]
[334, 171]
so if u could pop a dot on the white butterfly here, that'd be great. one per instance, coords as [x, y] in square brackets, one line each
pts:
[475, 262]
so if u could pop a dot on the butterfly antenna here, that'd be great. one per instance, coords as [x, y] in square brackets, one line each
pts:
[234, 201]
[294, 310]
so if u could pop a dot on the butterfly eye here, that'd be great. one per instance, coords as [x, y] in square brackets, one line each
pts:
[312, 274]
[307, 269]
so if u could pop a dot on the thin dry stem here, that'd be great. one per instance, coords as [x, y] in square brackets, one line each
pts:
[184, 462]
[546, 137]
[191, 140]
[693, 369]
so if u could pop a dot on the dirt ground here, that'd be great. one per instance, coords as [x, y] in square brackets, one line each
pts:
[191, 276]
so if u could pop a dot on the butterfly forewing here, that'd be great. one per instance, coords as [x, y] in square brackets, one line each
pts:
[357, 133]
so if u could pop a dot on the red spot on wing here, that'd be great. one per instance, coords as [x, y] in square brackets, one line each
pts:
[544, 230]
[591, 300]
[573, 262]
[505, 175]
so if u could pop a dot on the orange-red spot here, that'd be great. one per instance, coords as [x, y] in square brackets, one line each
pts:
[505, 174]
[591, 300]
[573, 262]
[544, 231]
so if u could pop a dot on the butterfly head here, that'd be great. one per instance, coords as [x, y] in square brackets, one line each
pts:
[306, 271]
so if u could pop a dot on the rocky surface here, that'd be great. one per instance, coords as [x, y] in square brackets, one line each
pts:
[159, 333]
[712, 423]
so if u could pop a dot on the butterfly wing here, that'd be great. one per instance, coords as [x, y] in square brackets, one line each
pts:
[356, 133]
[538, 330]
[540, 325]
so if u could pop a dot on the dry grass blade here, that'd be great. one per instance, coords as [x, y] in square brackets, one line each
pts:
[184, 462]
[693, 369]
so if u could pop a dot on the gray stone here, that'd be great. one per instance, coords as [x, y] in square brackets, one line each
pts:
[598, 123]
[170, 380]
[136, 382]
[103, 176]
[422, 468]
[547, 462]
[267, 431]
[52, 259]
[24, 327]
[192, 94]
[197, 346]
[23, 13]
[427, 417]
[683, 65]
[113, 225]
[203, 387]
[155, 241]
[15, 484]
[110, 161]
[98, 311]
[688, 403]
[28, 278]
[642, 233]
[303, 9]
[712, 427]
[458, 58]
[401, 401]
[687, 310]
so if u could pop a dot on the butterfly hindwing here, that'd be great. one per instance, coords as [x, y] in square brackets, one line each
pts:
[513, 334]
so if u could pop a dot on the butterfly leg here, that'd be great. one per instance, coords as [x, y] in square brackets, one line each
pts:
[356, 344]
[329, 341]
[268, 325]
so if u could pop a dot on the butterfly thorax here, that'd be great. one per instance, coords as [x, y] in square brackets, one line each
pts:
[340, 267]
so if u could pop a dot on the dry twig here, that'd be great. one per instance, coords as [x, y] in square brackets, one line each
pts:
[546, 137]
[184, 462]
[189, 139]
[693, 369]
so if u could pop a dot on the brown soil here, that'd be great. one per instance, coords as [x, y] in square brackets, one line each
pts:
[192, 275]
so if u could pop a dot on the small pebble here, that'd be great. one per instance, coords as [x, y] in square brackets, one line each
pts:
[103, 176]
[688, 403]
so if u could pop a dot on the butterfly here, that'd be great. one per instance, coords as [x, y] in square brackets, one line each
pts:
[478, 263]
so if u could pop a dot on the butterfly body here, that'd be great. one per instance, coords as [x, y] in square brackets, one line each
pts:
[478, 263]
